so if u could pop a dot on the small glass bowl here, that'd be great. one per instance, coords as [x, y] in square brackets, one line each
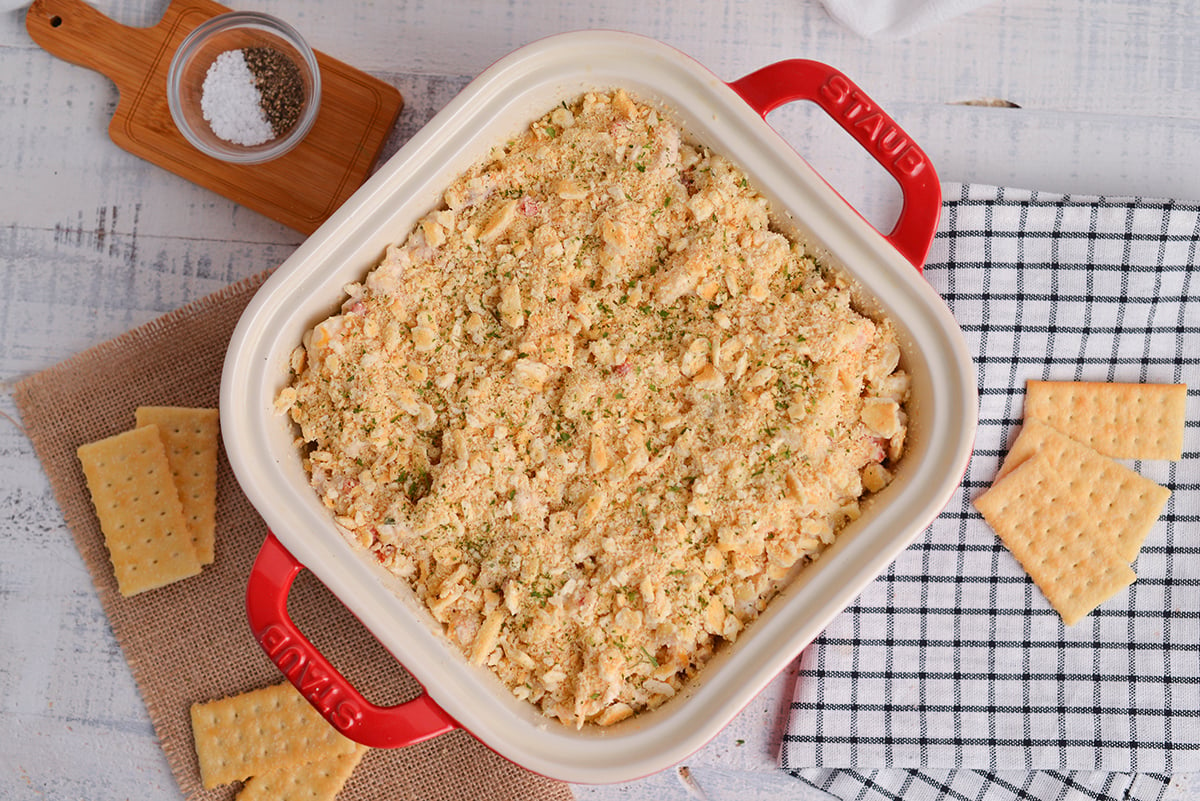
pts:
[238, 30]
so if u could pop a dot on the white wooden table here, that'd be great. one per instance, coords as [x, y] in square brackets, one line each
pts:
[94, 241]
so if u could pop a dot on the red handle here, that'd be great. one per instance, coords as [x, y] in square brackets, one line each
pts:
[800, 79]
[311, 673]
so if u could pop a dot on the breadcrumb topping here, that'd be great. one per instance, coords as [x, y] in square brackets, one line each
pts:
[593, 409]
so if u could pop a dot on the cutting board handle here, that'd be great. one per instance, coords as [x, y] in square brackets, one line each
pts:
[300, 189]
[76, 32]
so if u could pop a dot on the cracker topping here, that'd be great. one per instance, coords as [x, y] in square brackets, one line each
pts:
[594, 409]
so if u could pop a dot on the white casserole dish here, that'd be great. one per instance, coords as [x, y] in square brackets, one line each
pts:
[308, 287]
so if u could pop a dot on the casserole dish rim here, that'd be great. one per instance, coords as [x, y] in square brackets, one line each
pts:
[663, 736]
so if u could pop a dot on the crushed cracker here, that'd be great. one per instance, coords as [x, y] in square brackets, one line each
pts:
[594, 409]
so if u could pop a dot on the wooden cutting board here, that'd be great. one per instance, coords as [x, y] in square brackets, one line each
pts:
[299, 189]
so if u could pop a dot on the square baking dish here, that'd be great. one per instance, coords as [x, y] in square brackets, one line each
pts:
[728, 118]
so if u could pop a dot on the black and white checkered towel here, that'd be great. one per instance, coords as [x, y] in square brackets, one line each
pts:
[951, 676]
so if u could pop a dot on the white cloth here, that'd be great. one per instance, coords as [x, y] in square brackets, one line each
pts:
[895, 18]
[951, 676]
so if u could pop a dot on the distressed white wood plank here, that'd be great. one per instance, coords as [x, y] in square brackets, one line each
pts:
[1099, 154]
[1093, 56]
[1102, 154]
[94, 241]
[54, 119]
[72, 724]
[66, 289]
[1074, 55]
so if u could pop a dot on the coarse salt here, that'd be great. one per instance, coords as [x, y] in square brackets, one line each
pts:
[231, 102]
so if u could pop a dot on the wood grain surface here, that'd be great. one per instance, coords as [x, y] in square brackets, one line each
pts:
[300, 188]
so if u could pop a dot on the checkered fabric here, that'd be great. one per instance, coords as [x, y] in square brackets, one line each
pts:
[951, 676]
[971, 785]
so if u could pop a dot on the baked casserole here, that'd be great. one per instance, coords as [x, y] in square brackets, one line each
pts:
[594, 409]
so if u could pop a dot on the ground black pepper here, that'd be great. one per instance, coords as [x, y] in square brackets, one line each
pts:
[278, 81]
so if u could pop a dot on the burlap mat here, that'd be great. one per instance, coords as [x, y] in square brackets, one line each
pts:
[190, 641]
